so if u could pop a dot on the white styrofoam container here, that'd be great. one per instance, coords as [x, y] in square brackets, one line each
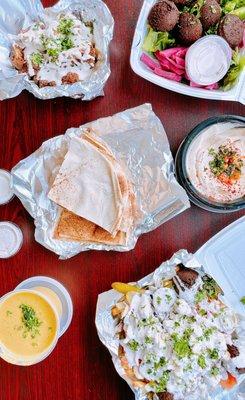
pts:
[223, 257]
[237, 93]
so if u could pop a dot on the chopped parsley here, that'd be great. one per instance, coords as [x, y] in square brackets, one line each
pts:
[201, 361]
[200, 296]
[202, 312]
[65, 26]
[214, 371]
[159, 364]
[181, 346]
[8, 313]
[30, 321]
[148, 340]
[168, 298]
[213, 354]
[159, 300]
[226, 164]
[161, 385]
[209, 331]
[37, 58]
[150, 321]
[133, 345]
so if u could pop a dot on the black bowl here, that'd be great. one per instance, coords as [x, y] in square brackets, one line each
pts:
[181, 172]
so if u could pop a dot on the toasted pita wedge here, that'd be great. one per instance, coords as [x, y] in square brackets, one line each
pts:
[71, 227]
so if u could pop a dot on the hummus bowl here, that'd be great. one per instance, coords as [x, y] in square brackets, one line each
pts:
[210, 164]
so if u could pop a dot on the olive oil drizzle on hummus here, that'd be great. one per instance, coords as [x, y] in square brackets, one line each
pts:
[226, 164]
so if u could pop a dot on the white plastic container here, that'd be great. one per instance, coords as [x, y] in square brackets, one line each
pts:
[6, 192]
[11, 239]
[237, 93]
[223, 257]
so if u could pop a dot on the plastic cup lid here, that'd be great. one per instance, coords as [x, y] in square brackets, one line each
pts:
[11, 239]
[6, 193]
[208, 60]
[62, 293]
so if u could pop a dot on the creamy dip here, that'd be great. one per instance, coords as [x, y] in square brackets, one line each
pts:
[28, 324]
[226, 183]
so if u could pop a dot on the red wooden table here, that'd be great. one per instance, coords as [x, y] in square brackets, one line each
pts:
[80, 367]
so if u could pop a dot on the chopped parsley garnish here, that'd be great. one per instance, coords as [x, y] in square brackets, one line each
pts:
[242, 300]
[160, 363]
[67, 43]
[214, 371]
[181, 346]
[37, 58]
[30, 321]
[148, 340]
[202, 312]
[65, 26]
[168, 298]
[200, 296]
[226, 164]
[133, 345]
[209, 331]
[146, 322]
[213, 354]
[161, 385]
[159, 300]
[201, 361]
[8, 313]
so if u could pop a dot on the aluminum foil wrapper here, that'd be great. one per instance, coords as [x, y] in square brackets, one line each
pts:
[16, 15]
[138, 140]
[106, 325]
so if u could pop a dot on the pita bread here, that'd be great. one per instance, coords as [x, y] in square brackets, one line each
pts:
[71, 227]
[89, 186]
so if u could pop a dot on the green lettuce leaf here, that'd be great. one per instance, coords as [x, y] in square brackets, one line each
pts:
[155, 41]
[237, 66]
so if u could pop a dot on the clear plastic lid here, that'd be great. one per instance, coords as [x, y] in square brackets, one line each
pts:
[11, 239]
[6, 192]
[208, 60]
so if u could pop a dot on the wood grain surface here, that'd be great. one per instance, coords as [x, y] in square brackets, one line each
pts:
[80, 367]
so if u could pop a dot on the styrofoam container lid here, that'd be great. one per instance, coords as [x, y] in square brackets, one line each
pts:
[62, 293]
[223, 257]
[11, 239]
[236, 93]
[208, 60]
[6, 192]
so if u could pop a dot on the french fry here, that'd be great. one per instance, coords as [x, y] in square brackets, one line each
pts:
[125, 288]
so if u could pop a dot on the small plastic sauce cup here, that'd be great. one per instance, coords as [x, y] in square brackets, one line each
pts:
[208, 60]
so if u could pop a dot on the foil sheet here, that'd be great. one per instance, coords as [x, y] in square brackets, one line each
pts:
[106, 325]
[20, 14]
[138, 140]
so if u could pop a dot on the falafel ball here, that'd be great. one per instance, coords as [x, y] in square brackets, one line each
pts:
[231, 29]
[210, 14]
[190, 28]
[163, 16]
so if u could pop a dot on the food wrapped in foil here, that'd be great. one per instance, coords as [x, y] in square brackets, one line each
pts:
[138, 140]
[106, 325]
[16, 15]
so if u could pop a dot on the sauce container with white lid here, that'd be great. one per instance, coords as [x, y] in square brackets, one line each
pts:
[11, 239]
[6, 192]
[208, 60]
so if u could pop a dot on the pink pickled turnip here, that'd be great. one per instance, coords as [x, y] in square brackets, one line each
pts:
[168, 75]
[147, 60]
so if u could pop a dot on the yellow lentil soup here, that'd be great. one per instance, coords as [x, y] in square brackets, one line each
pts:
[28, 324]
